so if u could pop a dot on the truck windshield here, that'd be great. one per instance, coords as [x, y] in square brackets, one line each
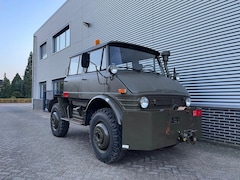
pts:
[132, 59]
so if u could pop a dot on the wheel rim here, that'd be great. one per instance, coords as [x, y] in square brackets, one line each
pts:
[54, 120]
[101, 136]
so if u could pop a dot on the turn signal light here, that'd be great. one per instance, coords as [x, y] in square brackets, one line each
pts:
[96, 42]
[122, 91]
[197, 112]
[65, 94]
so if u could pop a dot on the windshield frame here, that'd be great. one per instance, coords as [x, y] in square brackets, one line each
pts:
[136, 59]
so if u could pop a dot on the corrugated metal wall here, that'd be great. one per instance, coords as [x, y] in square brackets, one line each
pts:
[204, 40]
[208, 54]
[203, 37]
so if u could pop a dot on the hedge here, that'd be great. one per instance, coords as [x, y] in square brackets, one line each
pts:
[15, 100]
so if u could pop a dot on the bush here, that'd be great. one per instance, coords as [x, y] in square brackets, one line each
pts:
[15, 100]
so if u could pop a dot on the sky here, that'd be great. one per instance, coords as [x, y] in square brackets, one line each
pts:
[19, 20]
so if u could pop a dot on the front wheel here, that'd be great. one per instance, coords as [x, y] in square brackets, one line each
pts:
[106, 136]
[59, 127]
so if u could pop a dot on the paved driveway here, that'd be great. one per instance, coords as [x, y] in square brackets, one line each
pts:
[29, 151]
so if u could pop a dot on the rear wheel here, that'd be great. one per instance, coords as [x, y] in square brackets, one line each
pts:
[106, 136]
[59, 127]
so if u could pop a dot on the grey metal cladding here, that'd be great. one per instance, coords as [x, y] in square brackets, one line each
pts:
[203, 36]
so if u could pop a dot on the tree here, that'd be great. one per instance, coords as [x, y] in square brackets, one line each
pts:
[27, 79]
[17, 86]
[6, 88]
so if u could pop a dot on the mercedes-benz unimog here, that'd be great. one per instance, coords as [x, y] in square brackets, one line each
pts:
[128, 97]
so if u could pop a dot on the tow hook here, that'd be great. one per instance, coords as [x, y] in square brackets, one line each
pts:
[187, 136]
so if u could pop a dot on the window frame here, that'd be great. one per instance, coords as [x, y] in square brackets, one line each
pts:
[79, 59]
[43, 88]
[63, 35]
[102, 63]
[42, 55]
[58, 83]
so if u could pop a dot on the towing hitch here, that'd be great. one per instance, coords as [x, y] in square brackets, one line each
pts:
[187, 136]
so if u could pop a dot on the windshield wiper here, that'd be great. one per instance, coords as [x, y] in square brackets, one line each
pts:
[124, 67]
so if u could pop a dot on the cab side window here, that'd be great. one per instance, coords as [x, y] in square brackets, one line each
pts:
[73, 67]
[96, 60]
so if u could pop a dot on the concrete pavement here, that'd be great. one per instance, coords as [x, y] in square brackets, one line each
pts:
[28, 150]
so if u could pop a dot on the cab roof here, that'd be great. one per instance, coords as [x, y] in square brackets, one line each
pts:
[120, 44]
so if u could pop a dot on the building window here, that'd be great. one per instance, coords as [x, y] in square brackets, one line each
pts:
[61, 40]
[58, 86]
[43, 88]
[43, 50]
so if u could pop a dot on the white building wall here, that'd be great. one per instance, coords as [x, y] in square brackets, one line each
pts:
[203, 37]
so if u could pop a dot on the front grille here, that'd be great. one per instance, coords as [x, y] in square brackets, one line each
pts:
[156, 102]
[161, 102]
[129, 102]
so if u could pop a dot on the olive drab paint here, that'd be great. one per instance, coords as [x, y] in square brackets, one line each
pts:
[127, 95]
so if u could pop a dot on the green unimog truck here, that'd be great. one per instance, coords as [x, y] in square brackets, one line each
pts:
[128, 97]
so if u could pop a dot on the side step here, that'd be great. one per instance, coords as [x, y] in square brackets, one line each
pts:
[73, 120]
[76, 118]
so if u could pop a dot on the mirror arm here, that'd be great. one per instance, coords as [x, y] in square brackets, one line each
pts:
[166, 69]
[165, 55]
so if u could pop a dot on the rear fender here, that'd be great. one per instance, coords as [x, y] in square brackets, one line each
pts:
[102, 101]
[63, 102]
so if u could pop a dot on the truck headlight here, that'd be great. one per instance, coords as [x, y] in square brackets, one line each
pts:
[188, 102]
[144, 102]
[113, 69]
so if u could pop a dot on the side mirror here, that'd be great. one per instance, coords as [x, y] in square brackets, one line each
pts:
[85, 60]
[165, 55]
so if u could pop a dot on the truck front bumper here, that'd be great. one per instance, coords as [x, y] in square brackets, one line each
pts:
[149, 130]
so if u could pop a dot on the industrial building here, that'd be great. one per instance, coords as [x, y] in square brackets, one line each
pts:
[203, 37]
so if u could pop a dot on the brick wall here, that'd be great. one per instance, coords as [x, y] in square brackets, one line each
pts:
[221, 125]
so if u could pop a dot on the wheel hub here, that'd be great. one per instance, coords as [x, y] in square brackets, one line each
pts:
[101, 136]
[54, 120]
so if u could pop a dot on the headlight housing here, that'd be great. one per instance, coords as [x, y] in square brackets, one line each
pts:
[113, 69]
[144, 102]
[188, 101]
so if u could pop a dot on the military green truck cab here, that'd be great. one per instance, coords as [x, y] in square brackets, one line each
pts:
[127, 96]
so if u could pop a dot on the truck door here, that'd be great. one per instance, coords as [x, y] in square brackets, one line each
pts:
[92, 81]
[73, 81]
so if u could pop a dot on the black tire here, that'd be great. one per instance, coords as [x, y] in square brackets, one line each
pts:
[106, 136]
[59, 127]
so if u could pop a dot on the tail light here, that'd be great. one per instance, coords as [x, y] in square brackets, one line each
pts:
[65, 94]
[197, 112]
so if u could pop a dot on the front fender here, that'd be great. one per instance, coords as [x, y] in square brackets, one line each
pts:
[110, 102]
